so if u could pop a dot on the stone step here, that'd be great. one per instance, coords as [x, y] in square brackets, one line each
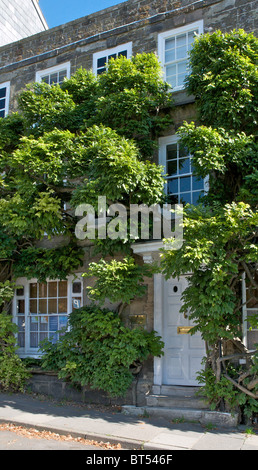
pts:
[175, 390]
[170, 401]
[205, 417]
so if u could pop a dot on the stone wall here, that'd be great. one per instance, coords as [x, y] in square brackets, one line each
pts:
[48, 383]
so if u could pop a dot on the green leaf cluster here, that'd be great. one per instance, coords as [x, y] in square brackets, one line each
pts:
[119, 281]
[13, 373]
[100, 351]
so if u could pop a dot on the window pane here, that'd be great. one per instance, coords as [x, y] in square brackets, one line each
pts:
[33, 323]
[173, 186]
[100, 71]
[53, 323]
[173, 199]
[21, 332]
[62, 74]
[172, 167]
[101, 62]
[182, 67]
[62, 322]
[77, 287]
[53, 78]
[171, 151]
[20, 291]
[181, 80]
[34, 340]
[20, 306]
[2, 114]
[42, 290]
[33, 290]
[45, 79]
[21, 323]
[62, 306]
[112, 56]
[170, 55]
[170, 70]
[169, 44]
[42, 336]
[43, 324]
[33, 306]
[2, 103]
[191, 36]
[123, 53]
[62, 289]
[196, 196]
[52, 306]
[171, 81]
[181, 40]
[2, 92]
[185, 184]
[181, 52]
[197, 183]
[53, 337]
[185, 198]
[21, 340]
[52, 289]
[184, 165]
[42, 306]
[183, 151]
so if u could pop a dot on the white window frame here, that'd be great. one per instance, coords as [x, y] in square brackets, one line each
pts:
[163, 143]
[55, 69]
[7, 97]
[245, 313]
[173, 33]
[115, 50]
[23, 281]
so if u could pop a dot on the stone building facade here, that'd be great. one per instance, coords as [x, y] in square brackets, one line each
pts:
[167, 28]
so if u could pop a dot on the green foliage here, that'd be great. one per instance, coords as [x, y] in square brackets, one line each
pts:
[224, 392]
[100, 351]
[120, 281]
[13, 373]
[45, 107]
[114, 169]
[220, 236]
[218, 241]
[133, 95]
[6, 292]
[42, 263]
[224, 79]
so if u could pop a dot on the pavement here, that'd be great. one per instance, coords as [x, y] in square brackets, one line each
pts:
[108, 424]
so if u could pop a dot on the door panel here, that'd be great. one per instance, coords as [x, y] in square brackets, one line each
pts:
[183, 353]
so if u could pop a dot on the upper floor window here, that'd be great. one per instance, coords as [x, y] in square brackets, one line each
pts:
[4, 98]
[101, 59]
[54, 75]
[182, 185]
[173, 48]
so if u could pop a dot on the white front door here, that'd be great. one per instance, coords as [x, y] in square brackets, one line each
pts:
[183, 352]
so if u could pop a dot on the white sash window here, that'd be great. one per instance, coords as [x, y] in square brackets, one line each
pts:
[41, 310]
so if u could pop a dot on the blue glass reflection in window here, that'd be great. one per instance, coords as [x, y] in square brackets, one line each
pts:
[173, 186]
[185, 184]
[196, 196]
[198, 183]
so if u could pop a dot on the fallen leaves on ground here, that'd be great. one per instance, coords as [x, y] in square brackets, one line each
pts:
[32, 433]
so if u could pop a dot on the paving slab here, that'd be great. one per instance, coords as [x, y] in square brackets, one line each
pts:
[132, 432]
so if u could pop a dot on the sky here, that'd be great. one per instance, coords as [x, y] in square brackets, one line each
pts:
[57, 12]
